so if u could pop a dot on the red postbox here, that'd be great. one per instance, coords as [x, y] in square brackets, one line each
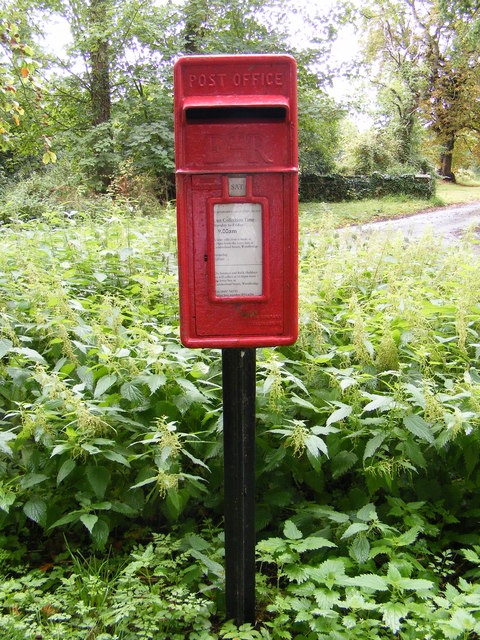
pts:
[237, 199]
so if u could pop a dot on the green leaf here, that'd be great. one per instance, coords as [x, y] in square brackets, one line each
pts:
[373, 444]
[415, 584]
[291, 532]
[369, 581]
[156, 381]
[114, 456]
[30, 354]
[340, 414]
[36, 510]
[98, 477]
[367, 513]
[73, 516]
[6, 345]
[194, 394]
[312, 543]
[407, 538]
[32, 479]
[393, 612]
[378, 402]
[89, 520]
[303, 403]
[143, 483]
[315, 446]
[343, 462]
[211, 565]
[360, 549]
[354, 528]
[86, 376]
[100, 533]
[7, 498]
[66, 469]
[103, 384]
[417, 425]
[131, 391]
[5, 437]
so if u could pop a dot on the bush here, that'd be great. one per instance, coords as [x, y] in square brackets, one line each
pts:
[336, 188]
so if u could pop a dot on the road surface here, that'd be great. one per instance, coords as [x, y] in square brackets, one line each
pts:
[448, 222]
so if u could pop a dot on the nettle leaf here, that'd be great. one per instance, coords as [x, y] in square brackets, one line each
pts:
[373, 445]
[104, 383]
[382, 403]
[369, 581]
[61, 448]
[7, 498]
[86, 376]
[393, 612]
[98, 477]
[5, 438]
[194, 394]
[407, 538]
[131, 391]
[65, 470]
[36, 510]
[291, 531]
[89, 520]
[212, 566]
[100, 533]
[340, 414]
[367, 513]
[343, 462]
[30, 354]
[417, 425]
[32, 479]
[296, 572]
[354, 528]
[360, 549]
[6, 345]
[416, 584]
[114, 456]
[155, 381]
[316, 446]
[303, 403]
[313, 543]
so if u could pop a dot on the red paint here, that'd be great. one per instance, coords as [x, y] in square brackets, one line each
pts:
[236, 117]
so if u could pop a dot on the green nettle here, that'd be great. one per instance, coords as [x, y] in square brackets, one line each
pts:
[111, 436]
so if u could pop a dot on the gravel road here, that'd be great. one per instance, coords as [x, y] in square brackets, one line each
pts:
[449, 222]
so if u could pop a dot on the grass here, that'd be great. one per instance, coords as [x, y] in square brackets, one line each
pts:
[362, 211]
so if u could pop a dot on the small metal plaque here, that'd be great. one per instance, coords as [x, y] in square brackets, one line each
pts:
[237, 186]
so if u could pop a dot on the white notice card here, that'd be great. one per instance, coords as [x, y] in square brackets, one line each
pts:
[238, 249]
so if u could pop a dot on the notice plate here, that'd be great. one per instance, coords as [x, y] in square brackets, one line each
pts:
[238, 249]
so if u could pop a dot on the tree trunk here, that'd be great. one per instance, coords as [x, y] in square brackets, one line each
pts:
[100, 90]
[445, 169]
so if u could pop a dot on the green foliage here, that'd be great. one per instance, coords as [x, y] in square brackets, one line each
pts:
[337, 188]
[367, 440]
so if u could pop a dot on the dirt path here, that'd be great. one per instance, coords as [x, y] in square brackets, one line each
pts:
[448, 222]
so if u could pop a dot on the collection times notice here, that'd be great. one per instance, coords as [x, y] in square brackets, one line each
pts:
[238, 249]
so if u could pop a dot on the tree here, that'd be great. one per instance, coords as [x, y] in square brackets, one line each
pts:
[111, 101]
[20, 90]
[427, 64]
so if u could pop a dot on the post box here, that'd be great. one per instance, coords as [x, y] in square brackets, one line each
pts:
[237, 199]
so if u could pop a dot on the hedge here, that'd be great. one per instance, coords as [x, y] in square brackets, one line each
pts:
[335, 188]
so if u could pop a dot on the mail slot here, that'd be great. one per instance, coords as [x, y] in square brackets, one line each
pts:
[237, 199]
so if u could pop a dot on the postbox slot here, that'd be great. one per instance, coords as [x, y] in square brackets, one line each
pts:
[235, 114]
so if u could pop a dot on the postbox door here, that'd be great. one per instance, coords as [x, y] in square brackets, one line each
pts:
[238, 259]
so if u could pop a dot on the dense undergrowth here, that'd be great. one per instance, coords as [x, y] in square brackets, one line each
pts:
[111, 466]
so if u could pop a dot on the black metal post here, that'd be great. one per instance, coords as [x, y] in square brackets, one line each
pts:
[238, 367]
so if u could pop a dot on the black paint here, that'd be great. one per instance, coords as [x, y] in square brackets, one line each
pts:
[239, 481]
